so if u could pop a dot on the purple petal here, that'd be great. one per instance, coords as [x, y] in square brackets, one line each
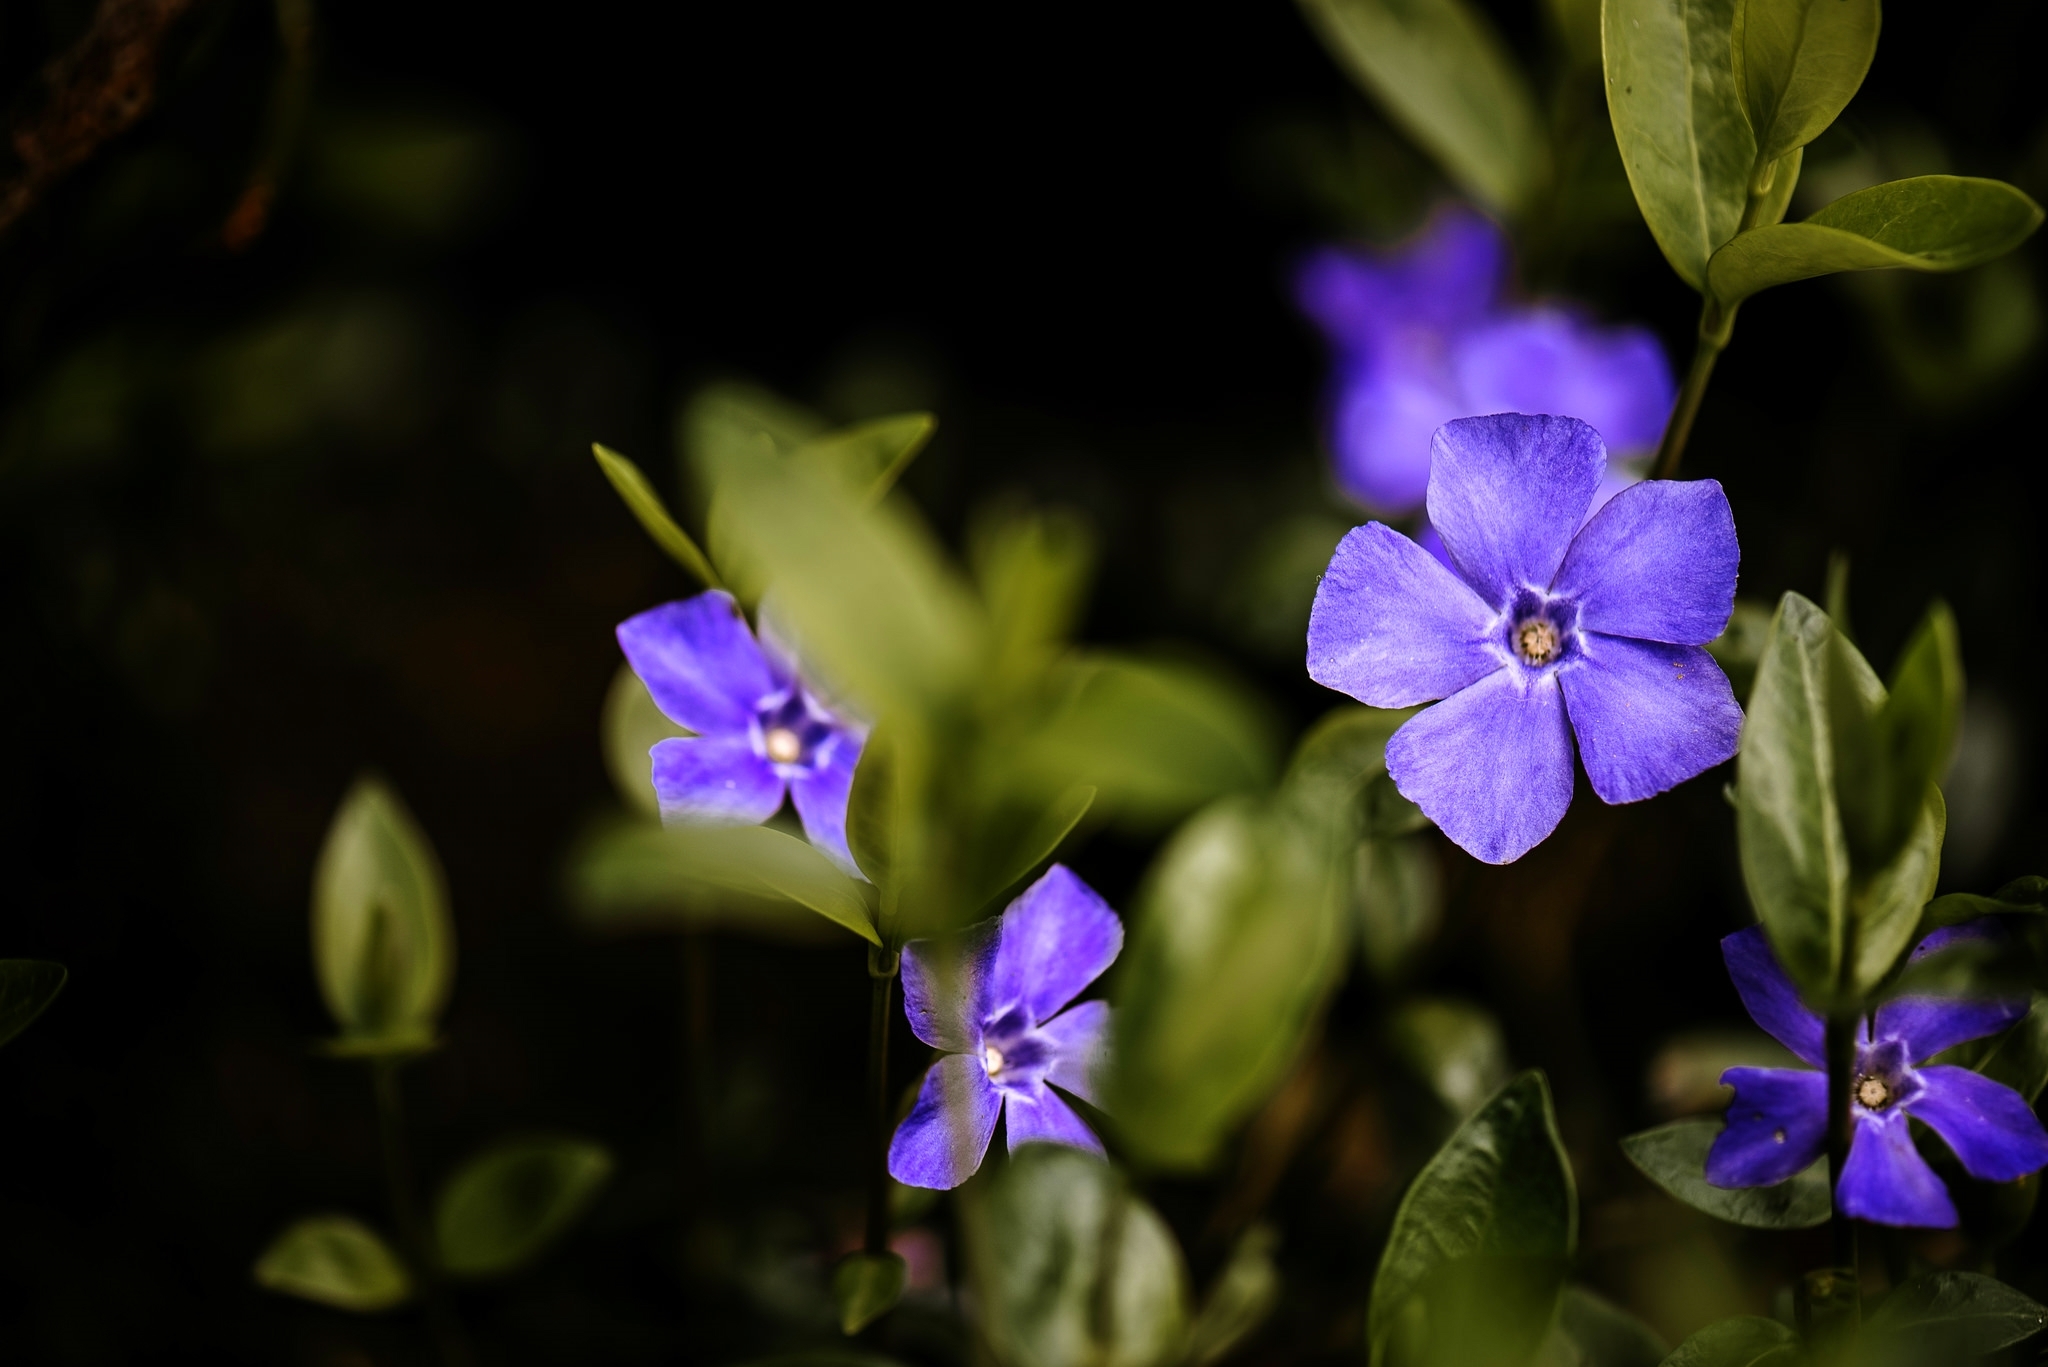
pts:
[1657, 563]
[820, 796]
[1392, 627]
[1777, 1124]
[1491, 765]
[1546, 360]
[1080, 1043]
[699, 662]
[941, 1142]
[1381, 421]
[1620, 475]
[946, 986]
[1928, 1025]
[1046, 1118]
[1887, 1182]
[1992, 1130]
[1447, 276]
[1770, 998]
[1648, 716]
[1058, 937]
[714, 779]
[1507, 492]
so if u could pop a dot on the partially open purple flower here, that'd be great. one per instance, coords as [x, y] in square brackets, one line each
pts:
[1545, 629]
[1778, 1122]
[1423, 334]
[998, 1016]
[760, 732]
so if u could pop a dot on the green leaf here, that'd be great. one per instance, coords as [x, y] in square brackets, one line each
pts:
[1953, 1316]
[1674, 1156]
[649, 864]
[1887, 906]
[1016, 853]
[1398, 893]
[1678, 119]
[336, 1261]
[631, 725]
[1598, 1333]
[1033, 569]
[1745, 1341]
[865, 1287]
[870, 456]
[502, 1207]
[1455, 1047]
[1798, 63]
[27, 987]
[383, 943]
[1442, 73]
[646, 505]
[631, 874]
[1911, 740]
[1500, 1190]
[2019, 1057]
[1340, 766]
[1239, 1300]
[1070, 1266]
[1927, 223]
[735, 419]
[1235, 940]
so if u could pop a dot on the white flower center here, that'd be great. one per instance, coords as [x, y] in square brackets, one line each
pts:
[992, 1059]
[783, 745]
[1873, 1093]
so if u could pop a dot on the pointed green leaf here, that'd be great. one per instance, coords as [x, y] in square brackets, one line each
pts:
[1441, 72]
[646, 505]
[1953, 1317]
[865, 1287]
[1913, 738]
[2019, 1057]
[1239, 1300]
[1887, 906]
[1798, 63]
[27, 987]
[1679, 121]
[1033, 569]
[1018, 852]
[1674, 1156]
[502, 1207]
[763, 861]
[1927, 223]
[870, 456]
[336, 1261]
[631, 874]
[1745, 1341]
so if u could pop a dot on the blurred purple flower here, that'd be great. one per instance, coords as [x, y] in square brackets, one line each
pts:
[1778, 1121]
[1541, 628]
[997, 1016]
[760, 732]
[1423, 334]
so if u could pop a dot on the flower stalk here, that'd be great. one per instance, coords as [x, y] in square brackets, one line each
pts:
[1841, 1057]
[446, 1328]
[882, 968]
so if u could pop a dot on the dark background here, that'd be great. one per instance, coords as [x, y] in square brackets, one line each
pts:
[272, 515]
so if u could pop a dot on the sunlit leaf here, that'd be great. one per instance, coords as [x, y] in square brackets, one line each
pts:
[865, 1287]
[1798, 63]
[502, 1207]
[646, 505]
[27, 987]
[336, 1261]
[870, 456]
[1674, 1156]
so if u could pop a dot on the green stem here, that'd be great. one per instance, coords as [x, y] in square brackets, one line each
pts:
[1841, 1057]
[441, 1319]
[1716, 325]
[882, 966]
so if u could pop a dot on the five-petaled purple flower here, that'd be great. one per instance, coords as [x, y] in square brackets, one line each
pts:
[1778, 1122]
[760, 732]
[1543, 620]
[1423, 334]
[991, 999]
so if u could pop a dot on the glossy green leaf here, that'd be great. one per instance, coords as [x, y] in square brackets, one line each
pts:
[2019, 1057]
[1745, 1341]
[1679, 121]
[27, 987]
[1674, 1156]
[865, 1287]
[1455, 1047]
[630, 727]
[1442, 73]
[1071, 1267]
[1233, 944]
[1500, 1191]
[383, 943]
[336, 1261]
[870, 456]
[502, 1207]
[1592, 1331]
[1397, 893]
[1239, 1300]
[1798, 63]
[646, 505]
[1953, 1317]
[1927, 223]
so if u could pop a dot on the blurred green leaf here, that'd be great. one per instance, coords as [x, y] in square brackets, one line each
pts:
[1798, 63]
[2019, 1057]
[1498, 1199]
[865, 1287]
[1014, 853]
[732, 418]
[1952, 1316]
[1679, 122]
[27, 987]
[1441, 72]
[1674, 1156]
[1594, 1332]
[1927, 223]
[1745, 1341]
[1071, 1267]
[1239, 1300]
[383, 943]
[502, 1207]
[1033, 569]
[2023, 896]
[336, 1261]
[634, 875]
[1340, 766]
[1398, 894]
[631, 725]
[1455, 1047]
[870, 456]
[1741, 644]
[646, 505]
[1233, 946]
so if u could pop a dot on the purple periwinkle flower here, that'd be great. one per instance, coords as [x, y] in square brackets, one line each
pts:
[1424, 333]
[1778, 1122]
[992, 999]
[760, 732]
[1546, 628]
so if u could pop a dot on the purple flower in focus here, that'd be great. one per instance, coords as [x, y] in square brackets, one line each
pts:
[1778, 1121]
[997, 1016]
[1541, 628]
[1423, 335]
[760, 732]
